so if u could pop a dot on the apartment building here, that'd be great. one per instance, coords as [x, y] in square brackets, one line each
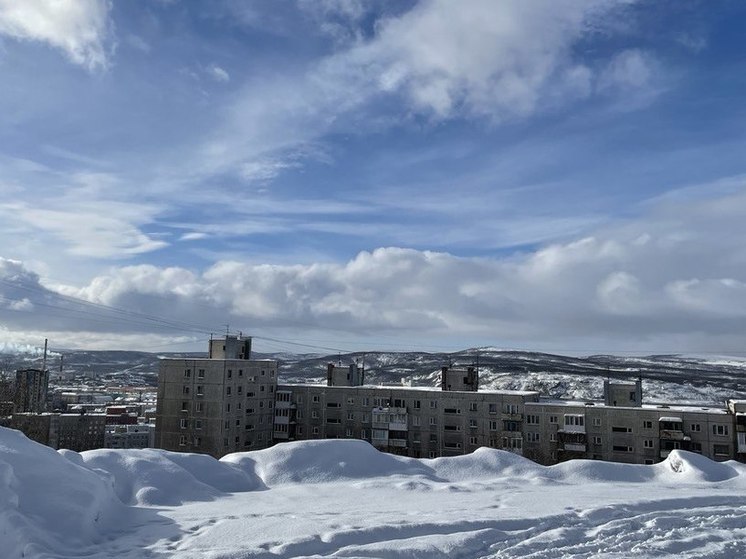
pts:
[73, 431]
[216, 405]
[226, 404]
[129, 436]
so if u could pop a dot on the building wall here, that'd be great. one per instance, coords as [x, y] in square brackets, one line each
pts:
[215, 406]
[129, 436]
[408, 421]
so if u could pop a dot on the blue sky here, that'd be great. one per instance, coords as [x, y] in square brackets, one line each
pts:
[545, 175]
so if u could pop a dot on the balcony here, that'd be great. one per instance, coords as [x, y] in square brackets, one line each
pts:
[280, 405]
[282, 420]
[574, 447]
[400, 443]
[512, 416]
[673, 435]
[741, 442]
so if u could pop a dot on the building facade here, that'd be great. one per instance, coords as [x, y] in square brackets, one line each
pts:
[229, 404]
[216, 405]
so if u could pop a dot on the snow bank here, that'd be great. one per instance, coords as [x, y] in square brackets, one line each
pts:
[65, 504]
[158, 477]
[47, 502]
[324, 461]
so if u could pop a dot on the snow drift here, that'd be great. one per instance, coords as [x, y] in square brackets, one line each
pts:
[67, 503]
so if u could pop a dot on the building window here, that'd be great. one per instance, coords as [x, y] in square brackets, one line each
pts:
[314, 414]
[198, 406]
[433, 404]
[696, 427]
[473, 441]
[473, 423]
[240, 372]
[416, 404]
[363, 433]
[200, 373]
[574, 420]
[720, 450]
[240, 390]
[532, 437]
[228, 407]
[350, 401]
[618, 429]
[200, 391]
[348, 433]
[597, 440]
[185, 406]
[415, 421]
[315, 431]
[511, 409]
[182, 423]
[720, 430]
[230, 373]
[621, 448]
[597, 422]
[647, 424]
[432, 454]
[366, 401]
[552, 419]
[228, 390]
[433, 421]
[553, 437]
[187, 373]
[350, 416]
[493, 408]
[472, 406]
[493, 425]
[647, 443]
[532, 419]
[185, 390]
[198, 424]
[182, 440]
[315, 399]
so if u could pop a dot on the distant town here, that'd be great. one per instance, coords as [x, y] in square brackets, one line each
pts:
[229, 402]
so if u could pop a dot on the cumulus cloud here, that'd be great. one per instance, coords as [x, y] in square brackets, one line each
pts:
[80, 28]
[671, 280]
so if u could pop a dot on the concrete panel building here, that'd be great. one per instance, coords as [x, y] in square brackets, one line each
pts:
[230, 404]
[216, 405]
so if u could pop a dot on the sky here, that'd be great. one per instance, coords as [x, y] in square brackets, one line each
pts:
[344, 174]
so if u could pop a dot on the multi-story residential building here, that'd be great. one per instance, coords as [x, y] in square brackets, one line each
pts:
[220, 411]
[129, 436]
[73, 431]
[223, 403]
[31, 390]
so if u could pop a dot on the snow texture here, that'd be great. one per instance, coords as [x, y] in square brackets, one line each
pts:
[342, 498]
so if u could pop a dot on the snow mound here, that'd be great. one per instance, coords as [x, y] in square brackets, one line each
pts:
[159, 477]
[695, 467]
[485, 463]
[325, 461]
[47, 502]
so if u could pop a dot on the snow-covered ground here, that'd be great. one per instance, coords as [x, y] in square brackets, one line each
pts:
[344, 499]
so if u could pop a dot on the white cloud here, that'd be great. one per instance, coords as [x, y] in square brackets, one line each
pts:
[627, 287]
[218, 74]
[480, 60]
[80, 28]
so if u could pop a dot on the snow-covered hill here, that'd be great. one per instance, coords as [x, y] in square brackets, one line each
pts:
[666, 377]
[343, 498]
